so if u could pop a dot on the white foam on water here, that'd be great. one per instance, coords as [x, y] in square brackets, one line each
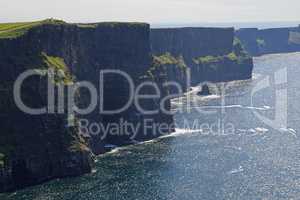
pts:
[177, 103]
[256, 76]
[251, 130]
[261, 130]
[195, 89]
[254, 131]
[264, 108]
[258, 108]
[179, 131]
[110, 146]
[219, 107]
[115, 150]
[291, 131]
[208, 97]
[235, 171]
[234, 148]
[174, 134]
[267, 107]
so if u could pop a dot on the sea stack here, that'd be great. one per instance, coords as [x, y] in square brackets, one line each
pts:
[204, 91]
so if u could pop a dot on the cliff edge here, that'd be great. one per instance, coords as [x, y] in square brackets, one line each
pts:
[38, 147]
[210, 54]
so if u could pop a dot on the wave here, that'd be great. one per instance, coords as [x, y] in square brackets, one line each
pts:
[291, 131]
[208, 97]
[253, 131]
[176, 133]
[262, 130]
[179, 131]
[256, 76]
[264, 108]
[116, 150]
[235, 171]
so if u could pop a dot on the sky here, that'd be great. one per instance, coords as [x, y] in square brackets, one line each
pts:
[151, 11]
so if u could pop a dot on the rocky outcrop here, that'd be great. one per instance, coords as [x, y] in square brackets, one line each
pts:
[266, 41]
[236, 65]
[175, 70]
[204, 91]
[35, 148]
[211, 54]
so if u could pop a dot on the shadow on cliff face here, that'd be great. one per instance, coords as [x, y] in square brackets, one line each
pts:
[20, 173]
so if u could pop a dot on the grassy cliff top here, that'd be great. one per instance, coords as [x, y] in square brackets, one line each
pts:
[111, 24]
[165, 60]
[168, 59]
[212, 59]
[14, 30]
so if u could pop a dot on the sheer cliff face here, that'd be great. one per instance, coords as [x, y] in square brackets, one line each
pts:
[192, 42]
[209, 53]
[266, 41]
[121, 47]
[35, 148]
[222, 70]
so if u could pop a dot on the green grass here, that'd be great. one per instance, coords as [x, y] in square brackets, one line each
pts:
[165, 59]
[207, 59]
[168, 59]
[232, 56]
[14, 30]
[111, 24]
[61, 70]
[214, 59]
[162, 61]
[2, 158]
[260, 42]
[115, 24]
[55, 62]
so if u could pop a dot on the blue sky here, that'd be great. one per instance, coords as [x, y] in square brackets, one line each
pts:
[152, 11]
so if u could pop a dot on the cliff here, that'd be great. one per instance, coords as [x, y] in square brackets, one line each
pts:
[266, 41]
[209, 53]
[174, 69]
[192, 42]
[236, 65]
[35, 148]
